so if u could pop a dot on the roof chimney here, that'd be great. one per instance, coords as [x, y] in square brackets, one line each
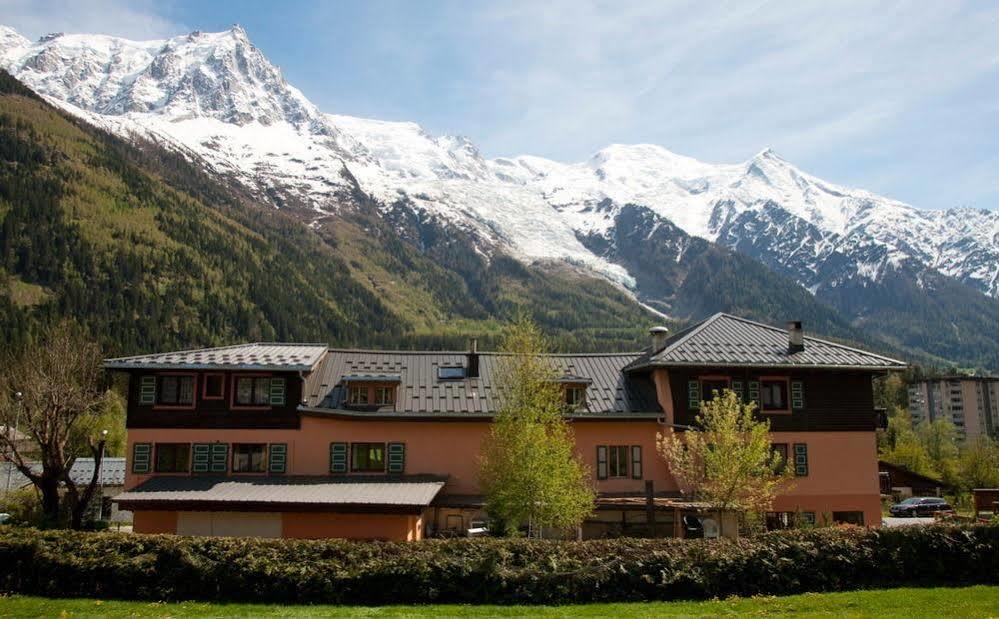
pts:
[795, 337]
[472, 371]
[659, 335]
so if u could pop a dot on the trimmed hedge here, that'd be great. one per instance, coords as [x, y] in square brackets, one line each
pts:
[163, 567]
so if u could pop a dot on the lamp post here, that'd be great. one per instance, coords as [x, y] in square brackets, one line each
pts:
[18, 396]
[100, 476]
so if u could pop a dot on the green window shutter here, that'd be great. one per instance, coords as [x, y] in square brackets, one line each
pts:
[220, 458]
[201, 457]
[142, 457]
[737, 388]
[754, 391]
[338, 457]
[277, 392]
[147, 390]
[277, 458]
[693, 394]
[797, 394]
[801, 459]
[636, 461]
[601, 461]
[396, 457]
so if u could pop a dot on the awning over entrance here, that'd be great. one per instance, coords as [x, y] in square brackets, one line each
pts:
[384, 494]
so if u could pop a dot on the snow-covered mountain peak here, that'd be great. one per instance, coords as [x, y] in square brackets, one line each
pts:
[218, 75]
[216, 97]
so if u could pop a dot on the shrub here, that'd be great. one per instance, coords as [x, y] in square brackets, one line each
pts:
[159, 567]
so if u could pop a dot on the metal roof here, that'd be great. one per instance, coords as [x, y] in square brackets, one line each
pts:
[421, 392]
[401, 490]
[726, 340]
[259, 356]
[112, 472]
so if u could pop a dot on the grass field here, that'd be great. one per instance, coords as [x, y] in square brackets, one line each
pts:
[958, 602]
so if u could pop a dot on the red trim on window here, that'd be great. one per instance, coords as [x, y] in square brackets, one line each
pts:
[235, 387]
[204, 387]
[178, 407]
[787, 395]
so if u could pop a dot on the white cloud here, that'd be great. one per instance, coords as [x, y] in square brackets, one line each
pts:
[721, 80]
[133, 19]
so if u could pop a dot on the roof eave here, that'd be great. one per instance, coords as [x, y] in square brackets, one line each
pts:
[783, 366]
[209, 366]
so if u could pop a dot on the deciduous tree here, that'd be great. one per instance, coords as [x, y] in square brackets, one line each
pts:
[726, 459]
[529, 469]
[53, 391]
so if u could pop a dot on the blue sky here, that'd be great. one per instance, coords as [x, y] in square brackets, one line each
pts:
[901, 98]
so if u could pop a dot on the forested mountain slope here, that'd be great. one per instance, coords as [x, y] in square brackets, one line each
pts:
[148, 253]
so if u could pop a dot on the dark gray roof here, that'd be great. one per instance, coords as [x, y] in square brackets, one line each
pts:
[420, 391]
[725, 340]
[259, 356]
[402, 490]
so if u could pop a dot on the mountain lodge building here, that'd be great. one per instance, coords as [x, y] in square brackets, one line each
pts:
[305, 441]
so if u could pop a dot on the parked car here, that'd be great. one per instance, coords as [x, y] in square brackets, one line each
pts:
[919, 506]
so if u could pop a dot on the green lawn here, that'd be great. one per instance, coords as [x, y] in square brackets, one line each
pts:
[959, 602]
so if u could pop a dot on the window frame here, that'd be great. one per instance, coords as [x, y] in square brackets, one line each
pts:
[390, 397]
[159, 391]
[234, 448]
[712, 378]
[786, 380]
[353, 460]
[156, 457]
[204, 386]
[625, 461]
[353, 388]
[580, 402]
[234, 392]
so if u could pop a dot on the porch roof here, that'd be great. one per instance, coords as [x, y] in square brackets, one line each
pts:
[383, 490]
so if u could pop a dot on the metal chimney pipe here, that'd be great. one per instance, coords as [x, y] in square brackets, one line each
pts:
[795, 337]
[659, 335]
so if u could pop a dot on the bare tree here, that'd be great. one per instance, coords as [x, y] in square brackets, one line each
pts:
[53, 391]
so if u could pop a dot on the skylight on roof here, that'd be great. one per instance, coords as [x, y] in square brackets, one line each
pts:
[450, 372]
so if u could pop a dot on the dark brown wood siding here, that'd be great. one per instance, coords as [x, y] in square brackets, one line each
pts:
[215, 413]
[834, 400]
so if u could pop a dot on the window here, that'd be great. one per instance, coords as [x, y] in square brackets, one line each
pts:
[214, 387]
[367, 457]
[450, 372]
[249, 458]
[253, 391]
[773, 395]
[617, 461]
[781, 450]
[575, 397]
[848, 517]
[357, 395]
[173, 457]
[175, 390]
[710, 385]
[384, 395]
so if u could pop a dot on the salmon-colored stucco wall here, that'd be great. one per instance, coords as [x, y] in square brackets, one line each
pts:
[842, 465]
[149, 521]
[842, 474]
[352, 526]
[442, 448]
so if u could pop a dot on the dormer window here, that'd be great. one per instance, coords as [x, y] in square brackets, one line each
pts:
[384, 395]
[575, 396]
[450, 372]
[357, 395]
